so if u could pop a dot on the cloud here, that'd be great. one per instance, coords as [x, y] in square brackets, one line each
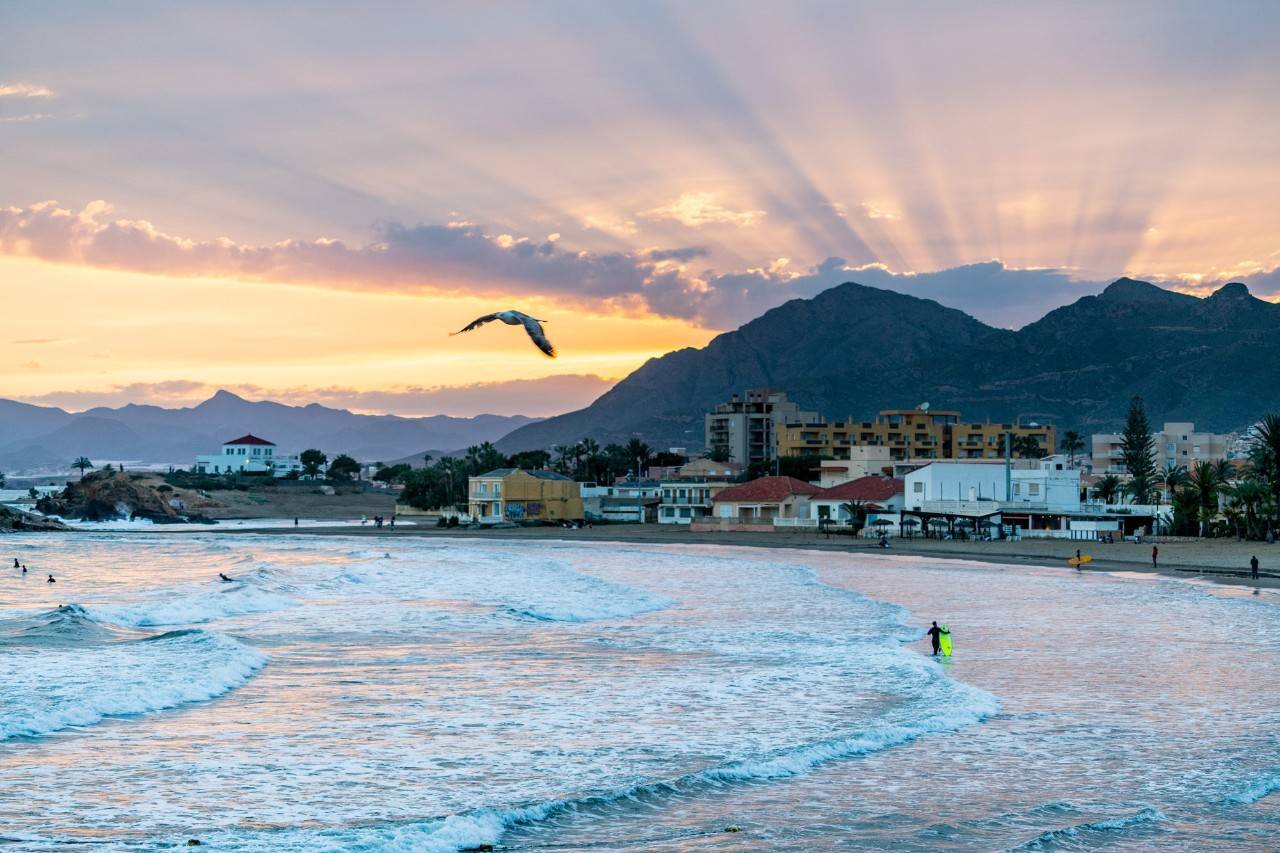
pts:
[874, 211]
[462, 257]
[34, 341]
[697, 209]
[550, 395]
[24, 90]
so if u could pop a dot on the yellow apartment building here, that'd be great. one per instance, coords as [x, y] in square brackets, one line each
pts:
[516, 495]
[910, 434]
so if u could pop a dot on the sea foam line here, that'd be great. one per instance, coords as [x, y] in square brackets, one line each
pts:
[1143, 817]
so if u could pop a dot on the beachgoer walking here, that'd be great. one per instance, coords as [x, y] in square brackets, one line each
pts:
[935, 635]
[1253, 566]
[1155, 555]
[1077, 559]
[295, 522]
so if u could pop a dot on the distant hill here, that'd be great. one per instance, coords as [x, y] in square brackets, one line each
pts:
[853, 350]
[35, 436]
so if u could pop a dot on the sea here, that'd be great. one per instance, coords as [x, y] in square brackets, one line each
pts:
[423, 693]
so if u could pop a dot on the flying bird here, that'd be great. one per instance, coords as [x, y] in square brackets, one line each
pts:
[515, 318]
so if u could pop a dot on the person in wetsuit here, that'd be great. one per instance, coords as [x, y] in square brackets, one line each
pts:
[51, 580]
[225, 579]
[935, 637]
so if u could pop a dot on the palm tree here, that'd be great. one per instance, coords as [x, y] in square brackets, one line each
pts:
[82, 463]
[1264, 455]
[857, 512]
[637, 449]
[1172, 478]
[1107, 488]
[1206, 481]
[1072, 442]
[1250, 496]
[591, 457]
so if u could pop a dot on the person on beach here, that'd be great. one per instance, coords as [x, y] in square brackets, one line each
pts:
[935, 637]
[1077, 559]
[15, 562]
[1253, 566]
[224, 578]
[1155, 555]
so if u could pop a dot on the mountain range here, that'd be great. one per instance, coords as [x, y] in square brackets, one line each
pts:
[853, 350]
[33, 437]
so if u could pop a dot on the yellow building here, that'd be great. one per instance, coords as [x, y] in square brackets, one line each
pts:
[516, 495]
[910, 434]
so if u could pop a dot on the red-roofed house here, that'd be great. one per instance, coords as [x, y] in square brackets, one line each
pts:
[763, 500]
[247, 454]
[882, 495]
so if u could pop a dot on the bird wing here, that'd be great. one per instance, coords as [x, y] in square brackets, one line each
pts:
[476, 323]
[539, 337]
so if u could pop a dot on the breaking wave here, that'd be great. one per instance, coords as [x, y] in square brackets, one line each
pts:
[63, 669]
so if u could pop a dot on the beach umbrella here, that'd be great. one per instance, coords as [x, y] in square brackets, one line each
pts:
[964, 522]
[882, 522]
[909, 522]
[937, 522]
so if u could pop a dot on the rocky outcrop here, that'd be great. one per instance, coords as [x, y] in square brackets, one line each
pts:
[16, 521]
[115, 496]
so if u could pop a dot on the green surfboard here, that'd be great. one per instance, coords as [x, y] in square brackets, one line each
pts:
[944, 642]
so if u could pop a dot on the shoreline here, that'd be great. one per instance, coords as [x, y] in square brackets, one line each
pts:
[1219, 561]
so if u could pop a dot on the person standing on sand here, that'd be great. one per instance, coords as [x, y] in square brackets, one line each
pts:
[1253, 566]
[934, 634]
[1155, 553]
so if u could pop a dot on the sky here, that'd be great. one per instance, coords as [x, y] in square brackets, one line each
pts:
[299, 201]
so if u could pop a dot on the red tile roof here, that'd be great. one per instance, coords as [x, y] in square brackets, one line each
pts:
[766, 490]
[863, 489]
[251, 439]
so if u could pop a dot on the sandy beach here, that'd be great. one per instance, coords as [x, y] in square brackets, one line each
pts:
[1219, 560]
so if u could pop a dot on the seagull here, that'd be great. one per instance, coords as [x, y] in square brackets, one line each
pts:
[516, 318]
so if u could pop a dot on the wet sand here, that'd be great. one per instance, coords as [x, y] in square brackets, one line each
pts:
[1218, 560]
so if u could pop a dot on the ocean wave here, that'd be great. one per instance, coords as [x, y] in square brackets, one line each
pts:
[486, 826]
[67, 624]
[44, 690]
[1255, 791]
[1086, 833]
[193, 608]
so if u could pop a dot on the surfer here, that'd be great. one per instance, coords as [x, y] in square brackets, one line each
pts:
[24, 568]
[224, 578]
[935, 637]
[1078, 560]
[51, 580]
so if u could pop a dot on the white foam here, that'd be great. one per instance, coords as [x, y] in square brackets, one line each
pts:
[44, 690]
[194, 607]
[1255, 791]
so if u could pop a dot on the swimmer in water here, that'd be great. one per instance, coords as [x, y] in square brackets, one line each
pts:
[24, 568]
[15, 562]
[51, 580]
[225, 579]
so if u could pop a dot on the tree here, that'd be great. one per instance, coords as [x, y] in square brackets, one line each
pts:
[637, 449]
[1172, 477]
[1206, 482]
[1264, 457]
[2, 480]
[82, 463]
[1026, 447]
[343, 467]
[1251, 497]
[529, 460]
[392, 473]
[313, 461]
[719, 453]
[1072, 443]
[856, 512]
[1108, 488]
[1137, 449]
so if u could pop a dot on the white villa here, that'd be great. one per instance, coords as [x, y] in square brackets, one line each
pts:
[247, 454]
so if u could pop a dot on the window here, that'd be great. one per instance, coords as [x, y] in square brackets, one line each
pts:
[497, 489]
[917, 487]
[1017, 488]
[483, 488]
[230, 451]
[1033, 488]
[267, 451]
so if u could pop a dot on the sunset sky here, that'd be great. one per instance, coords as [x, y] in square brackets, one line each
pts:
[300, 200]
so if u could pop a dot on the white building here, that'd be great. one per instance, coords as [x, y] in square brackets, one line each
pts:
[686, 501]
[247, 454]
[1039, 485]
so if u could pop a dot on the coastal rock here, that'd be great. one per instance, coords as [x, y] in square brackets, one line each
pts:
[15, 520]
[113, 496]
